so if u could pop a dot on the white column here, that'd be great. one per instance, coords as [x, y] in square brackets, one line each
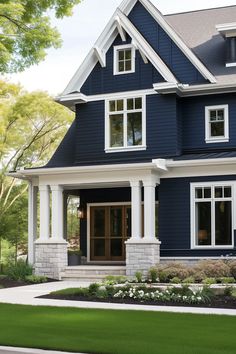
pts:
[44, 213]
[32, 221]
[149, 210]
[136, 208]
[57, 213]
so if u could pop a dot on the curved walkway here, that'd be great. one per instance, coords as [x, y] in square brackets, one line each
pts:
[27, 295]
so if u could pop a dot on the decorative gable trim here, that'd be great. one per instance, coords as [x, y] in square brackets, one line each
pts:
[177, 40]
[120, 24]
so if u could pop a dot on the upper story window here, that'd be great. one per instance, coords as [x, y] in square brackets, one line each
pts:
[125, 124]
[212, 215]
[217, 124]
[124, 59]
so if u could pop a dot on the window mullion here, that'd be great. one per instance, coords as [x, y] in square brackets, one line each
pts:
[213, 241]
[125, 123]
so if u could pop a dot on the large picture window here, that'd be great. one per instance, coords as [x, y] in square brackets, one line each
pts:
[217, 124]
[212, 207]
[125, 124]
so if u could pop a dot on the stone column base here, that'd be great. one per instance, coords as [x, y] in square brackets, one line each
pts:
[50, 258]
[141, 256]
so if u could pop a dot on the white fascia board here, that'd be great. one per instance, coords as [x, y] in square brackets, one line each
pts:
[84, 169]
[127, 5]
[178, 41]
[145, 47]
[201, 162]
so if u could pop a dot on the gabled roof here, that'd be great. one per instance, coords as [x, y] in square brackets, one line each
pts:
[120, 24]
[199, 31]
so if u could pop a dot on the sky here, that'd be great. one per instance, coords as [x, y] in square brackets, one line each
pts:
[80, 32]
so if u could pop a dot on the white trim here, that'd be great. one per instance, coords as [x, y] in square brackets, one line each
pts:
[101, 56]
[230, 65]
[125, 111]
[201, 162]
[227, 29]
[212, 200]
[200, 257]
[178, 41]
[116, 49]
[220, 139]
[120, 30]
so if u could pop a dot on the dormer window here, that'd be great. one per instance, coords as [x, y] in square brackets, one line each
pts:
[124, 59]
[217, 124]
[228, 32]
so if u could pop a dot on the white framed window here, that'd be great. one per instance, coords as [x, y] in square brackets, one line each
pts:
[124, 59]
[217, 124]
[212, 215]
[125, 124]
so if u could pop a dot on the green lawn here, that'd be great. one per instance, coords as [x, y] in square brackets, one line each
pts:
[116, 332]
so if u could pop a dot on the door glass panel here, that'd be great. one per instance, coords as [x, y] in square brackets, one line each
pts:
[116, 222]
[203, 223]
[223, 223]
[99, 248]
[99, 222]
[116, 247]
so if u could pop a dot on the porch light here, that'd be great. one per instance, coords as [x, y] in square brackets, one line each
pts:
[81, 212]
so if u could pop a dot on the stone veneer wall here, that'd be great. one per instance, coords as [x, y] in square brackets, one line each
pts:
[141, 256]
[50, 259]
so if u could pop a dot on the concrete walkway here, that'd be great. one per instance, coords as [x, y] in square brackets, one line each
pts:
[26, 295]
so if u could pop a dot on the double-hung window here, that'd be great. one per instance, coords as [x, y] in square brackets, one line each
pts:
[212, 215]
[124, 59]
[217, 124]
[125, 124]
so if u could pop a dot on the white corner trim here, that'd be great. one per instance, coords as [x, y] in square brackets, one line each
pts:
[177, 40]
[220, 139]
[115, 59]
[230, 65]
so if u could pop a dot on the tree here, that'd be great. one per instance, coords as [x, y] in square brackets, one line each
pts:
[31, 126]
[26, 31]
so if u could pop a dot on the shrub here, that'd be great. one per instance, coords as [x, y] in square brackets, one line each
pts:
[110, 290]
[228, 291]
[102, 294]
[93, 288]
[19, 270]
[171, 270]
[153, 275]
[175, 280]
[232, 266]
[209, 281]
[213, 268]
[189, 280]
[35, 279]
[139, 277]
[228, 280]
[115, 279]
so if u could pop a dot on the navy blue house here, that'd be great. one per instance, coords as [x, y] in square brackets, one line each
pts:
[152, 150]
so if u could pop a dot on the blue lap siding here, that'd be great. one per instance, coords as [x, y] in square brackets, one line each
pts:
[174, 218]
[178, 63]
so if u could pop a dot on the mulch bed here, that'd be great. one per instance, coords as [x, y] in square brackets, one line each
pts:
[225, 302]
[8, 283]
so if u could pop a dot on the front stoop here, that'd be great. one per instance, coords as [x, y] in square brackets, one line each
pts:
[141, 256]
[91, 273]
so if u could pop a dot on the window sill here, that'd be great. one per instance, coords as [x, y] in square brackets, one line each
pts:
[124, 72]
[215, 141]
[130, 149]
[212, 247]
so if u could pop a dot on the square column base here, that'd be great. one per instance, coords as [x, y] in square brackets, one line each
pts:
[141, 256]
[50, 259]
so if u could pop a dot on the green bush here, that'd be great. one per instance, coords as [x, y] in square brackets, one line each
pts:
[139, 277]
[93, 288]
[209, 281]
[189, 280]
[102, 294]
[110, 290]
[35, 279]
[175, 280]
[19, 271]
[153, 275]
[171, 270]
[226, 280]
[229, 291]
[115, 279]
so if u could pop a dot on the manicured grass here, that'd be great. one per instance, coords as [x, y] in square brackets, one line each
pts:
[116, 332]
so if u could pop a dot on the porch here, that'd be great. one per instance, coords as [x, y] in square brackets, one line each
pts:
[117, 232]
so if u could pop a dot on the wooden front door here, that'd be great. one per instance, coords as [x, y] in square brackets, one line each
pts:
[110, 227]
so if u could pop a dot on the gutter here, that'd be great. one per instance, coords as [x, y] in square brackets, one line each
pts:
[201, 162]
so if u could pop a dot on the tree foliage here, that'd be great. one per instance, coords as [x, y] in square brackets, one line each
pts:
[26, 31]
[31, 126]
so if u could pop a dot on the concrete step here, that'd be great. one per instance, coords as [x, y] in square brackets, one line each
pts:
[91, 273]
